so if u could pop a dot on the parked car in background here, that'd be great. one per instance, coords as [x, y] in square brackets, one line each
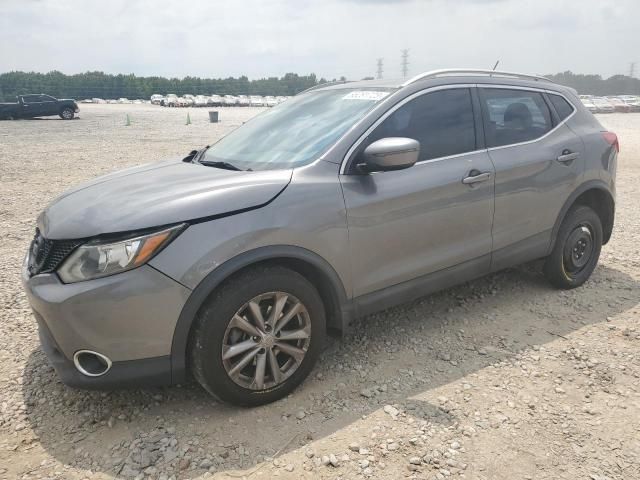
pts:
[270, 101]
[156, 99]
[603, 105]
[231, 264]
[231, 101]
[632, 101]
[587, 101]
[215, 101]
[244, 101]
[256, 101]
[170, 100]
[619, 105]
[39, 105]
[200, 101]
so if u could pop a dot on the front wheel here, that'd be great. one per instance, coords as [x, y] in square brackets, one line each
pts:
[67, 113]
[258, 336]
[575, 254]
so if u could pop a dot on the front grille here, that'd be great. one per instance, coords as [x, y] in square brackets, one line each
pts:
[46, 255]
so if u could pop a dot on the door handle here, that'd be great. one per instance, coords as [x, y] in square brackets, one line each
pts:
[567, 157]
[476, 177]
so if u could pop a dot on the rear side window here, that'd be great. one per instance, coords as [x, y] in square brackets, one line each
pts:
[441, 121]
[563, 108]
[514, 116]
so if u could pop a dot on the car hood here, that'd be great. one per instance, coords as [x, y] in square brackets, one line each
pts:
[154, 195]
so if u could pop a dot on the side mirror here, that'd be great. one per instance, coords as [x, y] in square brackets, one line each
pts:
[392, 153]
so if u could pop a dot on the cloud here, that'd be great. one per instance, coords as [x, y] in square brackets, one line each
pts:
[331, 38]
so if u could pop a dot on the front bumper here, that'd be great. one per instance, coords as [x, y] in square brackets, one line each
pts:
[133, 373]
[129, 317]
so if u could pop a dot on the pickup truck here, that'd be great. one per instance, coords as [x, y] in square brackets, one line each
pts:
[39, 105]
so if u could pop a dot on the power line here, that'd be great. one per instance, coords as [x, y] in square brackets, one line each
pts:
[405, 62]
[380, 69]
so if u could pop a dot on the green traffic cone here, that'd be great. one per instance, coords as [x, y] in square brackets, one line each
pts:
[128, 123]
[188, 119]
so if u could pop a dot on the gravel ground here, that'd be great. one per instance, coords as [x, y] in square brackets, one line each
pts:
[500, 378]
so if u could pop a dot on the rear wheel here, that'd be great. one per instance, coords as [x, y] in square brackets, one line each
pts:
[258, 336]
[67, 113]
[577, 248]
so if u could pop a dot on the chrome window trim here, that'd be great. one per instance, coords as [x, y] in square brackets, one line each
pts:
[539, 90]
[356, 144]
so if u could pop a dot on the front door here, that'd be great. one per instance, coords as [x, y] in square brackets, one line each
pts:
[437, 214]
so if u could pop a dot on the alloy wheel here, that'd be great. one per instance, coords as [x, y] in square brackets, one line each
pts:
[266, 340]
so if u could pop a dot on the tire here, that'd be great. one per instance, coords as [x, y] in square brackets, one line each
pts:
[216, 331]
[67, 113]
[576, 250]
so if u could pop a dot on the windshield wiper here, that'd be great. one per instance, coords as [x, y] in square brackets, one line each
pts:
[194, 155]
[224, 165]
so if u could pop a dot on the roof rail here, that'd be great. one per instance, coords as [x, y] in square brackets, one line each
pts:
[325, 84]
[472, 71]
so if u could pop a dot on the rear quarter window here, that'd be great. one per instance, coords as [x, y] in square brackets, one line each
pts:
[563, 108]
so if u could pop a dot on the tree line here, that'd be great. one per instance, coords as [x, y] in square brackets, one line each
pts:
[107, 86]
[596, 85]
[104, 85]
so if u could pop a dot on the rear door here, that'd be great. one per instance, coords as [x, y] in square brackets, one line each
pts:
[538, 162]
[409, 223]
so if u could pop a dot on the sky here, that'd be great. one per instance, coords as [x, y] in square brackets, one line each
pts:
[331, 38]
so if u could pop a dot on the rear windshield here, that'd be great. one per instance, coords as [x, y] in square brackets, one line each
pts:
[295, 132]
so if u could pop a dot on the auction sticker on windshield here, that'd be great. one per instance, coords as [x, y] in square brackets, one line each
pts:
[365, 95]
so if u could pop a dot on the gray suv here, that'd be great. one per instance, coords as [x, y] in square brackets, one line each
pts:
[231, 264]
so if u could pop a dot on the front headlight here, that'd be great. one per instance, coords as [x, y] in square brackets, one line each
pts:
[100, 258]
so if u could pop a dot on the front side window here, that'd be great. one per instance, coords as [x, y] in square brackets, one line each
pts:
[514, 116]
[295, 132]
[442, 121]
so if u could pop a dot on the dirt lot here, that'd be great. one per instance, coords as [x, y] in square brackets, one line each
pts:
[501, 378]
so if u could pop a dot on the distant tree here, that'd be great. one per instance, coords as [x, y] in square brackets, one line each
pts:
[596, 85]
[102, 85]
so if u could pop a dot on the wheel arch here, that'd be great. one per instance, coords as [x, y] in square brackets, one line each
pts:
[309, 264]
[597, 195]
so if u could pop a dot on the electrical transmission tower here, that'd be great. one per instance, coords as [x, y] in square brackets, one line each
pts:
[632, 69]
[380, 70]
[405, 62]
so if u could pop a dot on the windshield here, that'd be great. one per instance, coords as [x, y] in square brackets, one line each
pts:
[296, 132]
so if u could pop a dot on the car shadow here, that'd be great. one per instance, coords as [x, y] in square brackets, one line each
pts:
[391, 357]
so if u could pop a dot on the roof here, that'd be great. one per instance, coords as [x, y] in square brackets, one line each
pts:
[468, 75]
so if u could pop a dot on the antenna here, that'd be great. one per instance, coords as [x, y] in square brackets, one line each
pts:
[632, 69]
[405, 62]
[380, 69]
[496, 65]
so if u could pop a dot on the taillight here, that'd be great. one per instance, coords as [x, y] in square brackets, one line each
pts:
[612, 139]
